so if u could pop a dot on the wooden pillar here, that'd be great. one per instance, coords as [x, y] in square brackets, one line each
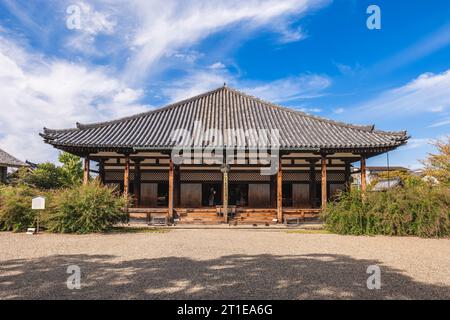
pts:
[347, 175]
[280, 192]
[86, 170]
[3, 174]
[137, 182]
[273, 191]
[363, 174]
[225, 195]
[101, 171]
[176, 186]
[324, 181]
[171, 176]
[126, 176]
[312, 182]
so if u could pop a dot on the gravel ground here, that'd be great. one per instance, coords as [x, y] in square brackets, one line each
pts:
[222, 264]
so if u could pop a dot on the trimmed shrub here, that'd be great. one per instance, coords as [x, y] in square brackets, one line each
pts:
[86, 208]
[418, 210]
[15, 208]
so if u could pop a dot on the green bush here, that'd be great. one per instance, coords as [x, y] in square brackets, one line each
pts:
[417, 209]
[85, 208]
[48, 176]
[15, 208]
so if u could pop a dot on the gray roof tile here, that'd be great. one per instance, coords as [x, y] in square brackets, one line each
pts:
[224, 108]
[8, 160]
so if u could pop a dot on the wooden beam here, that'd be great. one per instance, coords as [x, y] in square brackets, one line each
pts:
[363, 175]
[86, 170]
[280, 192]
[126, 177]
[225, 196]
[171, 202]
[324, 181]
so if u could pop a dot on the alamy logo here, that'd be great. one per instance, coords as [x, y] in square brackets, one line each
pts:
[374, 280]
[374, 20]
[73, 20]
[258, 146]
[74, 280]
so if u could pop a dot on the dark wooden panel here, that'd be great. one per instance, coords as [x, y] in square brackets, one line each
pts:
[191, 195]
[300, 194]
[335, 187]
[259, 195]
[149, 194]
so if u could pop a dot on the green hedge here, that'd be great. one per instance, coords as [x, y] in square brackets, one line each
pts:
[86, 208]
[418, 210]
[80, 209]
[15, 208]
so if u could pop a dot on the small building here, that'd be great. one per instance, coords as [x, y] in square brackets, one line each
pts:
[8, 161]
[224, 155]
[387, 184]
[374, 172]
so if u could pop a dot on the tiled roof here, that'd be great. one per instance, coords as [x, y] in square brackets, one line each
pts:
[7, 160]
[383, 185]
[223, 108]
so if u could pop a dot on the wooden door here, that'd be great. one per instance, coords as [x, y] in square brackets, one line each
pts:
[191, 195]
[149, 195]
[259, 195]
[300, 195]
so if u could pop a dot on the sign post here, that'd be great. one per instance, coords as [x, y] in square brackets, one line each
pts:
[37, 203]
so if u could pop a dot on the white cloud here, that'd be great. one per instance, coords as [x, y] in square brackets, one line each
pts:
[92, 24]
[441, 123]
[308, 110]
[338, 110]
[437, 109]
[291, 35]
[166, 26]
[291, 88]
[423, 47]
[196, 82]
[348, 70]
[420, 95]
[56, 94]
[281, 90]
[217, 65]
[415, 143]
[147, 37]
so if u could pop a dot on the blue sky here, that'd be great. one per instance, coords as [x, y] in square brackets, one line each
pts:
[315, 56]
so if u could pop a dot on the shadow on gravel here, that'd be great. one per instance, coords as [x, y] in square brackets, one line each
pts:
[314, 276]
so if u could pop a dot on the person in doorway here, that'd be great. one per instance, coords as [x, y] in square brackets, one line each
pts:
[242, 198]
[212, 196]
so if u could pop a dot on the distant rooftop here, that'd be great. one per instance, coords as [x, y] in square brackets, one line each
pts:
[7, 160]
[386, 168]
[383, 185]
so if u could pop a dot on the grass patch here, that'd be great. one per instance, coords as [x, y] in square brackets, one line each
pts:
[116, 230]
[310, 231]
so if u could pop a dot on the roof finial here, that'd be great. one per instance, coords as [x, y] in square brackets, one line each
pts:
[224, 84]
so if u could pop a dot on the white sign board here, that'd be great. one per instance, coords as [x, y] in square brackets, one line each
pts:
[38, 203]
